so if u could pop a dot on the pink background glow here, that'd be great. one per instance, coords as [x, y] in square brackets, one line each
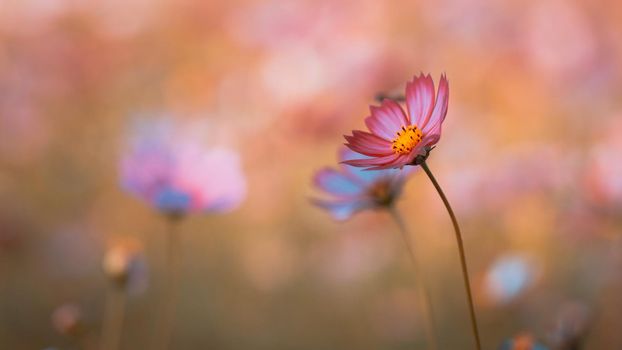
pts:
[529, 156]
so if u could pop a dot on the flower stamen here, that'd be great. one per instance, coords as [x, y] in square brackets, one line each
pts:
[407, 139]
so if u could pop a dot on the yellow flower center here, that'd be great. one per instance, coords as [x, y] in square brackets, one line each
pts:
[407, 138]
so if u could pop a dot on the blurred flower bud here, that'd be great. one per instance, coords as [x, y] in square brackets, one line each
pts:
[125, 265]
[522, 341]
[67, 320]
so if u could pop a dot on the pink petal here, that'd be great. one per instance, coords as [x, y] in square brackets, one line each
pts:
[345, 153]
[398, 162]
[368, 162]
[431, 139]
[368, 144]
[420, 99]
[380, 128]
[389, 117]
[440, 107]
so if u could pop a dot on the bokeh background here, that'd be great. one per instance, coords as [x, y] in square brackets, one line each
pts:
[529, 157]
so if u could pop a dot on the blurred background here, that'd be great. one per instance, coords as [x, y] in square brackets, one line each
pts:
[529, 157]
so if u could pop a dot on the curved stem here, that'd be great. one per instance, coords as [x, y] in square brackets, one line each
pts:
[168, 303]
[465, 272]
[113, 322]
[423, 292]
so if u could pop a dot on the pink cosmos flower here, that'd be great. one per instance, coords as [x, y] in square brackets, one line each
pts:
[396, 138]
[170, 168]
[352, 190]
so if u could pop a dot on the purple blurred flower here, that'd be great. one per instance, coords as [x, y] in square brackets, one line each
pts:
[170, 168]
[352, 189]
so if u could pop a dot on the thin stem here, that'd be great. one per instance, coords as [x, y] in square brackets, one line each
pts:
[113, 321]
[86, 341]
[465, 272]
[168, 303]
[423, 292]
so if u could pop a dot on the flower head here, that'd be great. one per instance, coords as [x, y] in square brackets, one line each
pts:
[354, 189]
[396, 138]
[171, 169]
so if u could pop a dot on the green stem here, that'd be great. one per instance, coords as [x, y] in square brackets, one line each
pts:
[423, 292]
[465, 272]
[164, 329]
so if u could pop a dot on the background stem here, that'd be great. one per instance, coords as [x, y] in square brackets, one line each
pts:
[423, 292]
[113, 321]
[465, 272]
[168, 303]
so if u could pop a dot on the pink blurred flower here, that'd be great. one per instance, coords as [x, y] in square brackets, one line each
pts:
[353, 189]
[603, 177]
[67, 319]
[397, 138]
[172, 170]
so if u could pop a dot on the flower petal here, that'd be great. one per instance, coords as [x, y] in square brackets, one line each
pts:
[358, 175]
[398, 162]
[336, 183]
[440, 107]
[420, 99]
[343, 210]
[389, 118]
[368, 144]
[369, 162]
[380, 128]
[431, 139]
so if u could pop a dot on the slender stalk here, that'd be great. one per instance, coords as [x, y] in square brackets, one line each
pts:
[86, 341]
[168, 303]
[465, 272]
[113, 321]
[423, 292]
